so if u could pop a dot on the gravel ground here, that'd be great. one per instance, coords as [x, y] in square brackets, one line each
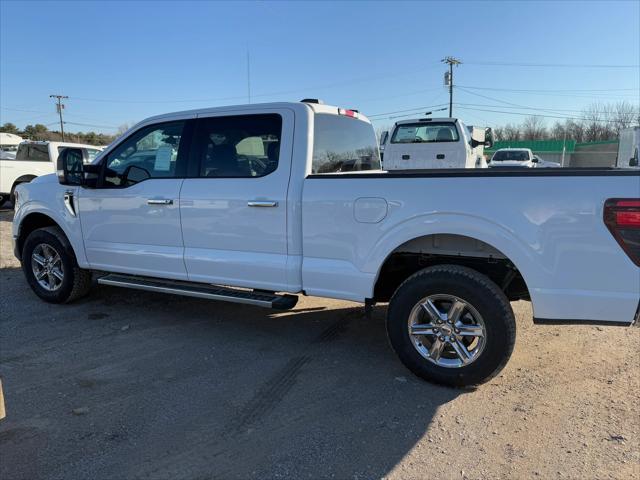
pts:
[126, 384]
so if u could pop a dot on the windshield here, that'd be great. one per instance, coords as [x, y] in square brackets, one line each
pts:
[343, 144]
[511, 155]
[92, 153]
[425, 132]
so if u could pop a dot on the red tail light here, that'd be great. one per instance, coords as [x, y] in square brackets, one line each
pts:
[622, 217]
[348, 113]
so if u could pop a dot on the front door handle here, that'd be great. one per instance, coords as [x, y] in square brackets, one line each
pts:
[159, 201]
[262, 203]
[440, 156]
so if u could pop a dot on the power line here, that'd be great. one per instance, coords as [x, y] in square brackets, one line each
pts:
[406, 110]
[270, 94]
[90, 125]
[551, 90]
[551, 93]
[555, 110]
[540, 115]
[553, 65]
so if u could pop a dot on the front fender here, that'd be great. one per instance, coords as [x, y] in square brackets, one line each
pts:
[52, 206]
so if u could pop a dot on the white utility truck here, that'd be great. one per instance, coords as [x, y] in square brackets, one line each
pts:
[257, 204]
[33, 159]
[433, 143]
[629, 143]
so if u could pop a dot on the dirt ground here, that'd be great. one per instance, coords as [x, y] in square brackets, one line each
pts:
[125, 384]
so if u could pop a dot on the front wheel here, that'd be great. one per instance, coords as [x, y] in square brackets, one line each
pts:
[50, 267]
[451, 325]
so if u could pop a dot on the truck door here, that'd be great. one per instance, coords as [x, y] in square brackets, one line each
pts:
[234, 208]
[131, 220]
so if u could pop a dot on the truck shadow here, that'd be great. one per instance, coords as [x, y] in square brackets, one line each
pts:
[185, 388]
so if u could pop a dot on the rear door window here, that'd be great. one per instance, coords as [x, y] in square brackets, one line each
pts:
[343, 144]
[239, 146]
[33, 153]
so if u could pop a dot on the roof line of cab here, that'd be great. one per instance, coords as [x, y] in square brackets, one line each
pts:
[316, 106]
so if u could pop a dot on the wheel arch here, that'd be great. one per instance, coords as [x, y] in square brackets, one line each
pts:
[33, 215]
[31, 222]
[476, 242]
[22, 179]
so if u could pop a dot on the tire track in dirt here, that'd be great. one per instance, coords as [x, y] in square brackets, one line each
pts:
[265, 400]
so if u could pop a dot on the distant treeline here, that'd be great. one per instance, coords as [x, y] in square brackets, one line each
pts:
[41, 132]
[598, 122]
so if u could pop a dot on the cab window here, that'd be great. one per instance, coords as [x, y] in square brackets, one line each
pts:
[32, 152]
[425, 133]
[343, 144]
[241, 146]
[152, 152]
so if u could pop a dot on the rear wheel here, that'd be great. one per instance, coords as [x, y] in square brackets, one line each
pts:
[451, 325]
[50, 267]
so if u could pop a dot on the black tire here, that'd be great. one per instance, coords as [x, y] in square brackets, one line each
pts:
[76, 281]
[479, 292]
[12, 195]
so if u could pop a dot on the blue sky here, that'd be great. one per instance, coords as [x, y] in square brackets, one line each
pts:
[120, 62]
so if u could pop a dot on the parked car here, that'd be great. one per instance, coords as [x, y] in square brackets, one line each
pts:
[258, 204]
[628, 146]
[31, 160]
[519, 158]
[432, 143]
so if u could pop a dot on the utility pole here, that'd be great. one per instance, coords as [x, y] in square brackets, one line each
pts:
[451, 61]
[59, 107]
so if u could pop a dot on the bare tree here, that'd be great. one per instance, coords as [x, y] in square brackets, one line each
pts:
[122, 129]
[533, 128]
[498, 134]
[512, 132]
[596, 121]
[558, 131]
[623, 115]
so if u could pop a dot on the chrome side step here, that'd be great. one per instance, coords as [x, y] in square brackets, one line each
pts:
[201, 290]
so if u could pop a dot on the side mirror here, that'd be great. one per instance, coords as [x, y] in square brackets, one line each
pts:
[633, 162]
[383, 138]
[488, 135]
[134, 174]
[475, 143]
[70, 166]
[535, 159]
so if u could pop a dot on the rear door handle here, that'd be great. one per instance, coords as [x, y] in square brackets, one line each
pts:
[262, 203]
[159, 201]
[440, 156]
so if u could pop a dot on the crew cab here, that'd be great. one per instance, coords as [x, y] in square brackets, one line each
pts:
[424, 143]
[258, 204]
[31, 160]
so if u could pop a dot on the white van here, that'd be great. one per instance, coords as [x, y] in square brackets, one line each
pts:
[33, 159]
[628, 148]
[433, 143]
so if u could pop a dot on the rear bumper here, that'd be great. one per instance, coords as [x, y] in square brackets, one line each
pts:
[588, 307]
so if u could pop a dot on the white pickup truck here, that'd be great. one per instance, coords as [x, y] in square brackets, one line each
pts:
[31, 160]
[257, 203]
